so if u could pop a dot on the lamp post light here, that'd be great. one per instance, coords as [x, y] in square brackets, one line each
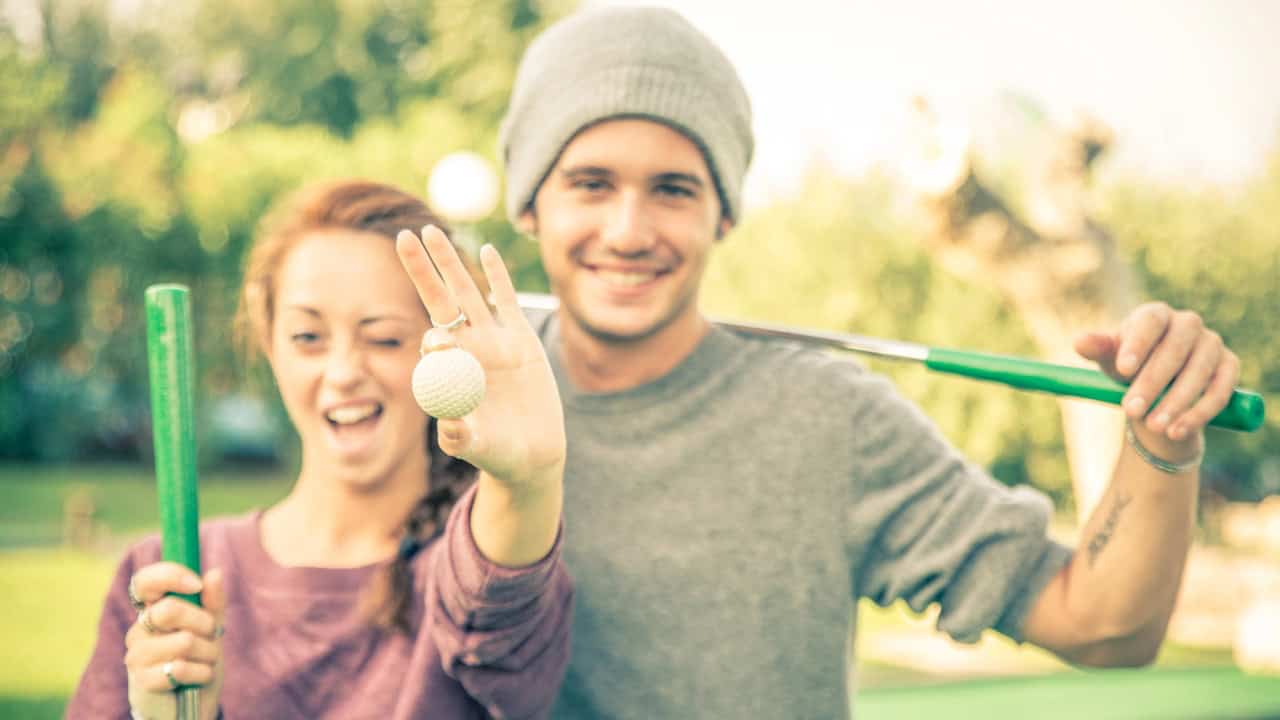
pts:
[463, 189]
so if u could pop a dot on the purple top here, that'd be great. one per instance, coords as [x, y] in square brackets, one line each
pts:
[489, 641]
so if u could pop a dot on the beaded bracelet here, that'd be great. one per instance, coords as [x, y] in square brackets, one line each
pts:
[1158, 463]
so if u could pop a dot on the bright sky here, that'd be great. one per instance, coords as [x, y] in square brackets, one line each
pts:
[1191, 87]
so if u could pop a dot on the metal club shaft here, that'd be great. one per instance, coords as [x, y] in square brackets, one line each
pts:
[892, 349]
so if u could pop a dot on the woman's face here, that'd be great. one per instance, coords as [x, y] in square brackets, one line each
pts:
[343, 345]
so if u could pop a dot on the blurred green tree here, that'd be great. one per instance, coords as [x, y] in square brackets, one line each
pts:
[1218, 251]
[141, 142]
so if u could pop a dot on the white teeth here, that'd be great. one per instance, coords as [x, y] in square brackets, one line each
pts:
[627, 279]
[351, 414]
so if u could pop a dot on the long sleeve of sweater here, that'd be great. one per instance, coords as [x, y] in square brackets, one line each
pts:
[933, 528]
[503, 633]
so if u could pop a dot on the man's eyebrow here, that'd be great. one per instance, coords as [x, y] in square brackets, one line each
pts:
[594, 171]
[679, 177]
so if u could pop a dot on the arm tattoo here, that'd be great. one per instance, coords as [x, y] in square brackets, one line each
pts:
[1100, 540]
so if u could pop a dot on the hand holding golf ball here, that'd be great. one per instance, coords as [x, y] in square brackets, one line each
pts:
[483, 373]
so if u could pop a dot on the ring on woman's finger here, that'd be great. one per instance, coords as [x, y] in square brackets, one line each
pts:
[144, 619]
[168, 673]
[219, 631]
[134, 600]
[462, 318]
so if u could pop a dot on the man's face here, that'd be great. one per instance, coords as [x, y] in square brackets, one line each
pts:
[625, 221]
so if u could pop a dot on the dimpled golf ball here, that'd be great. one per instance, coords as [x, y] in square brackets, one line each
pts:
[448, 383]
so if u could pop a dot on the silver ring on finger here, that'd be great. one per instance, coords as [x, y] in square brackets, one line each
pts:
[219, 631]
[134, 600]
[168, 673]
[462, 318]
[144, 619]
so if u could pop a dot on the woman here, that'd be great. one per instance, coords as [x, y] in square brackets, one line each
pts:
[395, 580]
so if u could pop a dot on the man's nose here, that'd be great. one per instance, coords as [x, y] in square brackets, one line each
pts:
[628, 229]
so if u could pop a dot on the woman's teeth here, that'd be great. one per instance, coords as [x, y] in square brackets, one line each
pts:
[352, 414]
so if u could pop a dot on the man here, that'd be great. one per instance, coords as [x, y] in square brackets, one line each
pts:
[729, 498]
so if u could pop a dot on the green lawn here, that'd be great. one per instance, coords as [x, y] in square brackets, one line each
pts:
[32, 496]
[1161, 694]
[51, 599]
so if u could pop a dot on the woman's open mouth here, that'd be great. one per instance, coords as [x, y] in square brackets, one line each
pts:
[352, 426]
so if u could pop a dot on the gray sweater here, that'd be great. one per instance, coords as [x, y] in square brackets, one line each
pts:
[721, 521]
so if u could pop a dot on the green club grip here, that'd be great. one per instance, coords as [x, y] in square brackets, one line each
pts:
[1245, 411]
[169, 360]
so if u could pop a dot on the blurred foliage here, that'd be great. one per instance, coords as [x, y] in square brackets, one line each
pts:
[140, 142]
[1218, 252]
[841, 254]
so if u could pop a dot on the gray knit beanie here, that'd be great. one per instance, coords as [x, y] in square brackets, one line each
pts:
[624, 62]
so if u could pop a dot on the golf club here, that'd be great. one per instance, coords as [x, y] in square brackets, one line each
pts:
[1244, 412]
[169, 356]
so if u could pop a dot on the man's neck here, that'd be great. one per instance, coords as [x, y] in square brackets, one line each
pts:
[595, 365]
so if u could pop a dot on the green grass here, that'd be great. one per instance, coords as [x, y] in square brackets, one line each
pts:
[32, 497]
[52, 597]
[32, 708]
[1166, 694]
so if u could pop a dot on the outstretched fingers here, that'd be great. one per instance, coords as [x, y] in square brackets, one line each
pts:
[430, 286]
[502, 290]
[460, 282]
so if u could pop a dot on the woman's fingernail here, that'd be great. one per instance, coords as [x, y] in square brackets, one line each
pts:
[1128, 362]
[1135, 404]
[1177, 432]
[1160, 421]
[192, 585]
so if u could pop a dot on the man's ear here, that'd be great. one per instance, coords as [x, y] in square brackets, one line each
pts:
[725, 226]
[527, 224]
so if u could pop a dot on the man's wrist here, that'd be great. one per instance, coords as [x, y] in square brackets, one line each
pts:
[1163, 454]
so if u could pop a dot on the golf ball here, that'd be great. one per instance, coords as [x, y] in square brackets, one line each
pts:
[448, 383]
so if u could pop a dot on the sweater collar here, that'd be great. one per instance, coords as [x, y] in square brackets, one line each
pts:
[713, 353]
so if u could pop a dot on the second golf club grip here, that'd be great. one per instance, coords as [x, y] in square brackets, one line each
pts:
[1245, 411]
[169, 360]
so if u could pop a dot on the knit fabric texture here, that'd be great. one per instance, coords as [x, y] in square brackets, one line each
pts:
[624, 62]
